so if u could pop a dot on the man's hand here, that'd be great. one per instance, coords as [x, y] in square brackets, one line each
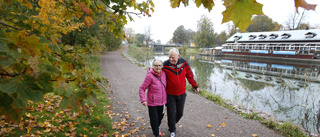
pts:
[144, 103]
[196, 90]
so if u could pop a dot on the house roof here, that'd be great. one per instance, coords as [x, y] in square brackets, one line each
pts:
[277, 36]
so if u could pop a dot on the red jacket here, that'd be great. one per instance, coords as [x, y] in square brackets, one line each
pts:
[176, 76]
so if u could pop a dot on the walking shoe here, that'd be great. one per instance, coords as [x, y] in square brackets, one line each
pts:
[172, 134]
[159, 133]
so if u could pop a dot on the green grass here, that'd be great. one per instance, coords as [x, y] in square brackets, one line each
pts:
[192, 50]
[141, 54]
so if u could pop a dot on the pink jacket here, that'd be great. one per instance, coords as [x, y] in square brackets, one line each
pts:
[156, 95]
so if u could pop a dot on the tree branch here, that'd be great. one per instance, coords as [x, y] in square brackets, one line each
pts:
[4, 24]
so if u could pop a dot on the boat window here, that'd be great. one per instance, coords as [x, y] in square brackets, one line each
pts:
[247, 46]
[235, 46]
[285, 35]
[316, 47]
[273, 36]
[310, 35]
[292, 47]
[252, 37]
[262, 36]
[289, 47]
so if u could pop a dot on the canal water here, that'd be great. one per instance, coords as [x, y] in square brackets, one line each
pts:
[289, 91]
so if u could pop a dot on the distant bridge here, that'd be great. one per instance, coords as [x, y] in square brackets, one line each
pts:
[161, 48]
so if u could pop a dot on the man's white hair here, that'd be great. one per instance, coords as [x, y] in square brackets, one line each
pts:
[174, 50]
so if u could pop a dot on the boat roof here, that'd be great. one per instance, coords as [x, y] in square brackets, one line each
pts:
[311, 35]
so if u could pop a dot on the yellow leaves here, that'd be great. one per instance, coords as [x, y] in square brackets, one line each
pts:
[85, 9]
[28, 129]
[241, 11]
[26, 3]
[88, 21]
[208, 4]
[61, 122]
[254, 135]
[223, 124]
[209, 126]
[101, 8]
[29, 44]
[304, 4]
[213, 135]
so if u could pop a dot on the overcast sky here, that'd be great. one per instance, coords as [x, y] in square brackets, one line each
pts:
[165, 20]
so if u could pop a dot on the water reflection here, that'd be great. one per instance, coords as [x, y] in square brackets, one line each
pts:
[289, 91]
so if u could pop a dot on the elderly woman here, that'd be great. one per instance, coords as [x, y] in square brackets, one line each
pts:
[155, 82]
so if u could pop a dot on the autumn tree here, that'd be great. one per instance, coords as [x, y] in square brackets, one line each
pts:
[262, 23]
[129, 35]
[190, 34]
[139, 39]
[52, 46]
[147, 35]
[232, 29]
[221, 38]
[295, 19]
[205, 36]
[180, 35]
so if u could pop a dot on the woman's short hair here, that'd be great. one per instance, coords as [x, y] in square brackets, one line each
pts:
[155, 61]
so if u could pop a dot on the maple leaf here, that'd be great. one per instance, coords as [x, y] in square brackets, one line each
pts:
[208, 4]
[176, 3]
[240, 12]
[304, 4]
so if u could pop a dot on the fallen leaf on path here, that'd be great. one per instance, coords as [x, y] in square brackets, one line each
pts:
[223, 124]
[180, 126]
[254, 135]
[225, 117]
[213, 135]
[209, 126]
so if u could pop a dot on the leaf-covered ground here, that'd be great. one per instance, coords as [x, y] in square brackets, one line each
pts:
[47, 118]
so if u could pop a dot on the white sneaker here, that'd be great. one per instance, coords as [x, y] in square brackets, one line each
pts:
[172, 134]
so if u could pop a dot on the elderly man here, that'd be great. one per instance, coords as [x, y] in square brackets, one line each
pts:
[177, 70]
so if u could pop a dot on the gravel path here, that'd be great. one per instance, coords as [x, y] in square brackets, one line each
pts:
[125, 79]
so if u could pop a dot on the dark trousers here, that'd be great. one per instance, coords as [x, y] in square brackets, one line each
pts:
[175, 106]
[155, 114]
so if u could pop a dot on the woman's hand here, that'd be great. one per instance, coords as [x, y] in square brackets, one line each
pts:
[144, 103]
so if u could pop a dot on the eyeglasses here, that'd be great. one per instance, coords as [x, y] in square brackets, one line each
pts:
[157, 65]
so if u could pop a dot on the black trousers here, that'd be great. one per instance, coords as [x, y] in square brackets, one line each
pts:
[155, 114]
[175, 106]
